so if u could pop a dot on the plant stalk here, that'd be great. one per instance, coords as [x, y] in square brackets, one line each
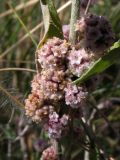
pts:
[92, 139]
[75, 11]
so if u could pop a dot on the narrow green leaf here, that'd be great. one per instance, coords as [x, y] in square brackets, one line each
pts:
[94, 154]
[23, 25]
[101, 64]
[116, 45]
[51, 20]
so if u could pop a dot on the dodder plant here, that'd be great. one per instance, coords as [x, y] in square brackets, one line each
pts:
[65, 60]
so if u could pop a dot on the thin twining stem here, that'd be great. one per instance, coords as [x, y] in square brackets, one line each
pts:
[17, 69]
[32, 31]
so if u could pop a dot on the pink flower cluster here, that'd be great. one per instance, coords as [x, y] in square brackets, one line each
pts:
[49, 154]
[75, 96]
[35, 108]
[53, 54]
[98, 34]
[53, 86]
[57, 125]
[79, 61]
[53, 94]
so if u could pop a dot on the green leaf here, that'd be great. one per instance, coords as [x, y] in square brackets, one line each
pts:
[23, 25]
[94, 154]
[102, 63]
[116, 45]
[51, 20]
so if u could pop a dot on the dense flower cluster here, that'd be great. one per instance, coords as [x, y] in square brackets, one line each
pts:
[53, 54]
[79, 61]
[98, 34]
[48, 86]
[36, 109]
[49, 154]
[75, 96]
[52, 83]
[57, 125]
[53, 95]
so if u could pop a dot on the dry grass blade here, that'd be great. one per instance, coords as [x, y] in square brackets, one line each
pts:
[87, 8]
[17, 69]
[19, 7]
[64, 6]
[20, 41]
[23, 25]
[13, 98]
[31, 31]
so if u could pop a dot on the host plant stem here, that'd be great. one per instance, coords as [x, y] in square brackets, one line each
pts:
[75, 11]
